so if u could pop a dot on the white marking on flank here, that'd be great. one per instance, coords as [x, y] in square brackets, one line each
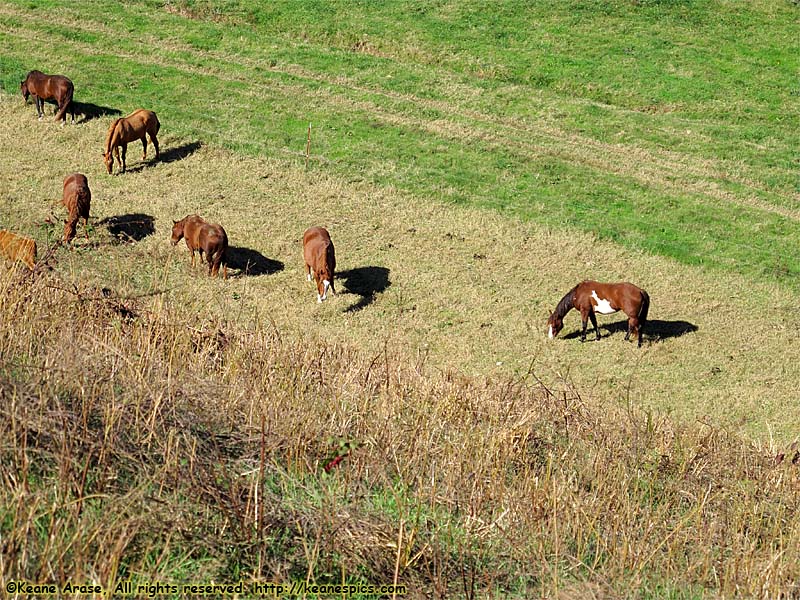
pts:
[602, 306]
[550, 332]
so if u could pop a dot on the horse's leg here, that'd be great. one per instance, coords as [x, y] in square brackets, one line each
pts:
[308, 272]
[124, 155]
[634, 327]
[594, 323]
[39, 107]
[584, 318]
[115, 154]
[154, 139]
[85, 224]
[144, 147]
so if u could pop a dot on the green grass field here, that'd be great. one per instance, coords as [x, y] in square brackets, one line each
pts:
[472, 165]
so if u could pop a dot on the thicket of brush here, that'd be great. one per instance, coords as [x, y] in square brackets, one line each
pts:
[141, 442]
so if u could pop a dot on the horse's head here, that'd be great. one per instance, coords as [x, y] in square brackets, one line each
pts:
[177, 231]
[23, 88]
[108, 158]
[554, 325]
[324, 277]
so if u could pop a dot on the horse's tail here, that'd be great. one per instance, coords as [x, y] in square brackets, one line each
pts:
[83, 201]
[220, 259]
[644, 308]
[66, 103]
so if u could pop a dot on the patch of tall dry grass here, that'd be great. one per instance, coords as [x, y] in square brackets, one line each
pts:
[141, 441]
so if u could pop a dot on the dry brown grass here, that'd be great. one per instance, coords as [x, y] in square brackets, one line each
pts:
[140, 441]
[468, 289]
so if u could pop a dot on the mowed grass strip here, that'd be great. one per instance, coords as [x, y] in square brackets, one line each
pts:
[686, 205]
[461, 289]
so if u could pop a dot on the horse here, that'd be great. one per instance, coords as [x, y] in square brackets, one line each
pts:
[17, 248]
[127, 129]
[203, 237]
[77, 199]
[49, 87]
[320, 257]
[590, 297]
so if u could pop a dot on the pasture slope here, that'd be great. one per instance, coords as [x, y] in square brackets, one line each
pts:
[163, 426]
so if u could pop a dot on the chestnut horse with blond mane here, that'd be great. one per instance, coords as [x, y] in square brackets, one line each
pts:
[320, 258]
[49, 87]
[17, 248]
[135, 126]
[590, 297]
[208, 238]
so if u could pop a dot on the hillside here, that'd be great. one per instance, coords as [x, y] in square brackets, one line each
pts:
[466, 189]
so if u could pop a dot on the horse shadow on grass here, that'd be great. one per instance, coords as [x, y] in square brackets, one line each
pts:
[367, 282]
[130, 228]
[89, 111]
[655, 330]
[168, 156]
[251, 262]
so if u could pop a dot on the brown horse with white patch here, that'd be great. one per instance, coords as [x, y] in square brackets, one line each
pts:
[320, 258]
[208, 238]
[77, 199]
[49, 87]
[135, 126]
[590, 297]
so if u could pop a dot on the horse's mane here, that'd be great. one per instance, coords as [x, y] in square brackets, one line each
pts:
[566, 304]
[111, 131]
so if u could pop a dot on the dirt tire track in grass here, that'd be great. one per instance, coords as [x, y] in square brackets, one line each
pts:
[662, 169]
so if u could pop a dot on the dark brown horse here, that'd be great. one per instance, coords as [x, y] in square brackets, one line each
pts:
[49, 87]
[77, 199]
[208, 238]
[135, 126]
[320, 259]
[590, 297]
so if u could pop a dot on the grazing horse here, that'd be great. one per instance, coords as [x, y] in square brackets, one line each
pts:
[590, 297]
[77, 198]
[204, 237]
[49, 87]
[320, 258]
[17, 248]
[127, 129]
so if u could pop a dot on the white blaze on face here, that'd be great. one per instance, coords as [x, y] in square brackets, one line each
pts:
[550, 332]
[602, 306]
